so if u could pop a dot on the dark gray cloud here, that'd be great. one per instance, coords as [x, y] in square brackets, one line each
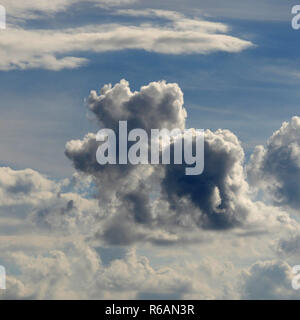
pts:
[217, 193]
[139, 203]
[83, 154]
[121, 231]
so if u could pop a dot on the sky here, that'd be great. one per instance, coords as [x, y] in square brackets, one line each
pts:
[68, 230]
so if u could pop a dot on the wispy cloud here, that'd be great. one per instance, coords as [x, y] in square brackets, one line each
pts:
[54, 49]
[30, 9]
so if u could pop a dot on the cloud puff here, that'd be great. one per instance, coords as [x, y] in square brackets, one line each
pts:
[24, 187]
[268, 280]
[135, 274]
[157, 105]
[276, 167]
[29, 197]
[54, 49]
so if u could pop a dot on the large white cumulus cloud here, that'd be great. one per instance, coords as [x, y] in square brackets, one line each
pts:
[149, 202]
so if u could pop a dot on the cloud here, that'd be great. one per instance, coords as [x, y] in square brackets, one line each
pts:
[157, 105]
[49, 254]
[49, 275]
[276, 167]
[289, 246]
[215, 200]
[135, 274]
[24, 187]
[24, 48]
[160, 204]
[218, 194]
[155, 204]
[29, 200]
[76, 272]
[31, 9]
[254, 10]
[178, 20]
[268, 280]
